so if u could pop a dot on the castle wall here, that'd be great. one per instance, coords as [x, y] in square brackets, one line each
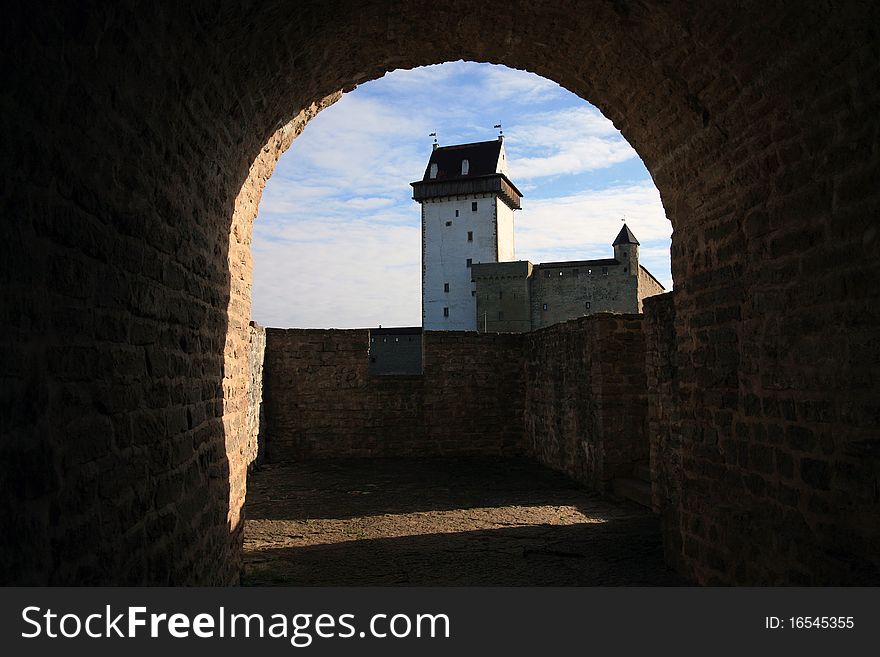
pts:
[572, 395]
[648, 287]
[585, 398]
[503, 297]
[321, 401]
[255, 419]
[664, 433]
[561, 291]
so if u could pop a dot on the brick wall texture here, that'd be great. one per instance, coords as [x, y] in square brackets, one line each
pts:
[255, 441]
[585, 397]
[572, 395]
[136, 143]
[321, 401]
[664, 436]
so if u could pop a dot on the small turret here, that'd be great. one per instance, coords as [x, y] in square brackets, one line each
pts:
[626, 250]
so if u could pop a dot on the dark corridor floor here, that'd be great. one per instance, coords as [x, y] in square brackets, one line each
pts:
[441, 522]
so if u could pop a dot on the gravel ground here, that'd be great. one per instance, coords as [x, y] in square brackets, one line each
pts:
[442, 522]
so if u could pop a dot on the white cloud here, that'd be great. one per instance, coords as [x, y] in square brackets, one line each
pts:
[523, 86]
[586, 223]
[567, 141]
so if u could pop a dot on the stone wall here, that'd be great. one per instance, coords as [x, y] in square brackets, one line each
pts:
[561, 291]
[664, 436]
[254, 444]
[648, 287]
[502, 294]
[321, 401]
[241, 353]
[585, 397]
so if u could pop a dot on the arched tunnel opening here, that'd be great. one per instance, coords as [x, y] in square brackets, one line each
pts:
[139, 146]
[383, 452]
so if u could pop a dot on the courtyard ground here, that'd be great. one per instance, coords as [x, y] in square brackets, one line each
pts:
[442, 522]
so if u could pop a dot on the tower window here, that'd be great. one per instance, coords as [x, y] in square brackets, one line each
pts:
[473, 206]
[587, 305]
[465, 166]
[624, 270]
[469, 262]
[500, 314]
[473, 293]
[456, 213]
[433, 173]
[561, 273]
[448, 223]
[446, 287]
[546, 274]
[604, 271]
[446, 312]
[500, 294]
[544, 307]
[470, 236]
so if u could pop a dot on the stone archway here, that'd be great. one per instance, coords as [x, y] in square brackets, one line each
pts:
[141, 143]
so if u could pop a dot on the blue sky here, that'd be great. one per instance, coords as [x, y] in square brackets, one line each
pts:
[337, 240]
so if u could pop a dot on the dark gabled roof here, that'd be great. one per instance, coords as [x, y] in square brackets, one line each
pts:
[482, 160]
[625, 236]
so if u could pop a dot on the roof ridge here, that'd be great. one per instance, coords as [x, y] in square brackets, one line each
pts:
[625, 236]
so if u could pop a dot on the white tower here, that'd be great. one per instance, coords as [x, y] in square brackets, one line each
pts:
[467, 217]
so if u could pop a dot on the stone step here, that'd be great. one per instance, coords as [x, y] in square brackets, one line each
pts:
[643, 472]
[635, 490]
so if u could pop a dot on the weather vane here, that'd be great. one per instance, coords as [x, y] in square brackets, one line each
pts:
[500, 131]
[434, 135]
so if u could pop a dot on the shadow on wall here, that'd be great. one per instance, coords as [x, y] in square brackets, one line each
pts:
[114, 460]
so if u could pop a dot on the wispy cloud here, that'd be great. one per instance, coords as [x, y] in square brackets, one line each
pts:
[566, 141]
[526, 88]
[591, 217]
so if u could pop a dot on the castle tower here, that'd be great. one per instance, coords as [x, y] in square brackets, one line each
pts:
[626, 250]
[467, 218]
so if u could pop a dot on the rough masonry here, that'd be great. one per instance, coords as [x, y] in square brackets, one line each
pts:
[573, 396]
